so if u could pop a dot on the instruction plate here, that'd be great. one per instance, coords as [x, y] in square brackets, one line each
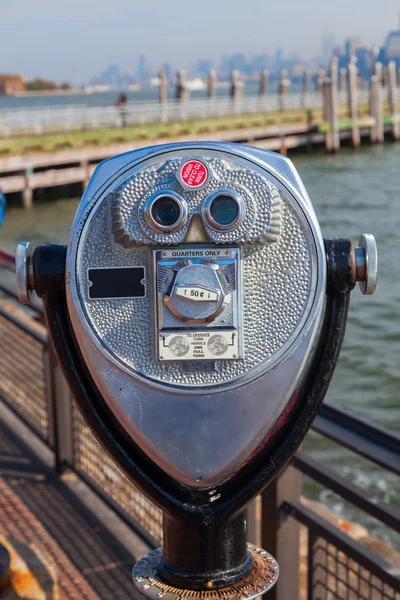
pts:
[198, 345]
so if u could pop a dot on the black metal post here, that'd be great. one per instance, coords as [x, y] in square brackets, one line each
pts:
[200, 554]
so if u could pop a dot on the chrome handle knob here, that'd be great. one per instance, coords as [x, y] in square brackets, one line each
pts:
[24, 272]
[367, 264]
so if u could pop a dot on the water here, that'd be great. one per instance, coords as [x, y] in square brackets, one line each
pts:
[352, 193]
[110, 97]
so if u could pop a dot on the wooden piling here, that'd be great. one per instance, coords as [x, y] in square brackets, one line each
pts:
[211, 84]
[283, 89]
[327, 113]
[237, 88]
[163, 86]
[320, 80]
[342, 79]
[378, 71]
[264, 80]
[182, 91]
[163, 95]
[86, 173]
[27, 194]
[334, 104]
[376, 105]
[353, 102]
[393, 98]
[385, 77]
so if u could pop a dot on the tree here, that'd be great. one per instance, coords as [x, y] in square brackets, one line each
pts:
[41, 84]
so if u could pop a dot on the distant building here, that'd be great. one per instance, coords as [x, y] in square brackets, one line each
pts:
[298, 70]
[352, 44]
[353, 47]
[9, 84]
[392, 47]
[142, 70]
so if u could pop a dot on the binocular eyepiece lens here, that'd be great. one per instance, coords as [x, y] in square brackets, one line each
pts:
[165, 211]
[224, 210]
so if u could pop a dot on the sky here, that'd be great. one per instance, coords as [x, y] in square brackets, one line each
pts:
[76, 39]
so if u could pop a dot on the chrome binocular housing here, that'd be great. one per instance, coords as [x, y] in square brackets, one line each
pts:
[203, 316]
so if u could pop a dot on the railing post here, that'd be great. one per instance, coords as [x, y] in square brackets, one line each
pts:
[310, 565]
[59, 406]
[393, 98]
[280, 535]
[353, 102]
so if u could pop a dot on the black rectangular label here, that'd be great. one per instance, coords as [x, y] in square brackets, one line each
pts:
[116, 282]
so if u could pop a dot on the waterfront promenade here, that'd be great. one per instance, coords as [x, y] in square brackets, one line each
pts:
[336, 115]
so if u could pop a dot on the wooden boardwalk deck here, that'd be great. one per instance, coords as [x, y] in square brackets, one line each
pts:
[65, 549]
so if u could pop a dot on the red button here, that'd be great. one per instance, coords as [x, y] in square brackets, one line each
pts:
[194, 173]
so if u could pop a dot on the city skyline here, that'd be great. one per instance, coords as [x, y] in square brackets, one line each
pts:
[80, 41]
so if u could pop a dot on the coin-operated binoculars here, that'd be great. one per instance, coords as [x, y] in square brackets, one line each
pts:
[198, 316]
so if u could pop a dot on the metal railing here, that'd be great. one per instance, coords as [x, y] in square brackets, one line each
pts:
[338, 566]
[40, 120]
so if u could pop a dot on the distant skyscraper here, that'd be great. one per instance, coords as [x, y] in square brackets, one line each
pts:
[352, 44]
[392, 47]
[203, 66]
[278, 59]
[142, 71]
[327, 46]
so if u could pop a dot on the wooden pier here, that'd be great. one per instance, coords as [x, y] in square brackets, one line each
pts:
[344, 120]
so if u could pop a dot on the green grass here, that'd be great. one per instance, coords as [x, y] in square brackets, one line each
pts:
[53, 142]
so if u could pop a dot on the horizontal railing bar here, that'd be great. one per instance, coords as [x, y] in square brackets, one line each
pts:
[359, 435]
[37, 335]
[374, 563]
[329, 478]
[7, 259]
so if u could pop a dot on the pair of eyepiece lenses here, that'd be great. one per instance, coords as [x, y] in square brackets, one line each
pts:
[167, 211]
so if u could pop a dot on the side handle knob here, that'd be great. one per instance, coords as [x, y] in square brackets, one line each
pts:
[367, 264]
[24, 272]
